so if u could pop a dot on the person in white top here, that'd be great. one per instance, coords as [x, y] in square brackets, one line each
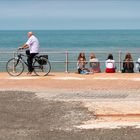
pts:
[138, 65]
[110, 64]
[33, 45]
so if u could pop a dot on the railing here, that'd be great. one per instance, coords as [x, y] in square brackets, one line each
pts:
[66, 60]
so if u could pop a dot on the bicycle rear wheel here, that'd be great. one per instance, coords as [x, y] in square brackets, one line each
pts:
[41, 70]
[14, 67]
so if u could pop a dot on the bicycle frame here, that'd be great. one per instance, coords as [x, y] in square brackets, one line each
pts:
[19, 57]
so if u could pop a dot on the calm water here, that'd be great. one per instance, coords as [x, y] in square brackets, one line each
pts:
[76, 41]
[52, 40]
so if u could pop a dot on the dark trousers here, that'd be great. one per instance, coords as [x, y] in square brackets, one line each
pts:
[30, 57]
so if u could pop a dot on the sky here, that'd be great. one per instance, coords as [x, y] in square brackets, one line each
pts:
[69, 14]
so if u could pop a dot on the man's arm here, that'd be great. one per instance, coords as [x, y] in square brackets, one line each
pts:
[25, 46]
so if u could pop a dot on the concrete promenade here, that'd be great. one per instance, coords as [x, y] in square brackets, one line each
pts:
[98, 81]
[77, 104]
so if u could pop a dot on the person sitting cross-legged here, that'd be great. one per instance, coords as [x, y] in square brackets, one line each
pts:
[81, 62]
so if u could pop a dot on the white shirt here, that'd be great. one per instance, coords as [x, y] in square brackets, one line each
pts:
[110, 63]
[33, 44]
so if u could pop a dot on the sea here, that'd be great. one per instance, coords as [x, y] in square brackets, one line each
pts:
[64, 46]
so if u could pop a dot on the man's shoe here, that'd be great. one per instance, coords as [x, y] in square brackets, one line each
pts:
[29, 73]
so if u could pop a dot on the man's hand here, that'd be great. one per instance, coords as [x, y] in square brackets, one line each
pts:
[20, 48]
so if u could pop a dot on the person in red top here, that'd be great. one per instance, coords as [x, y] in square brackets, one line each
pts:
[110, 64]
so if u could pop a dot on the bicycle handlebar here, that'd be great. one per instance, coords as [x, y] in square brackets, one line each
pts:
[18, 50]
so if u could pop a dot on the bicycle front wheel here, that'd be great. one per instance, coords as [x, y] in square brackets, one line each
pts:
[41, 70]
[14, 67]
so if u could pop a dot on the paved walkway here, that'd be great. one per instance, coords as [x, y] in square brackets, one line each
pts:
[117, 81]
[113, 99]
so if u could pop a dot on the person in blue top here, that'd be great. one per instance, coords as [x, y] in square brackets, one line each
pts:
[33, 45]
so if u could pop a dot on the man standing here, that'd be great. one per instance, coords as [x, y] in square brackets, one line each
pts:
[33, 45]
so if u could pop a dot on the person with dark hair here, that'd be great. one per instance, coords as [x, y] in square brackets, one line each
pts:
[81, 62]
[128, 65]
[110, 64]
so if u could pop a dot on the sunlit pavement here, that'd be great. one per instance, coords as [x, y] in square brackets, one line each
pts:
[81, 104]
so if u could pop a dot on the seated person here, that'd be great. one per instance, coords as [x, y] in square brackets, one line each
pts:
[81, 62]
[128, 64]
[138, 65]
[110, 64]
[94, 64]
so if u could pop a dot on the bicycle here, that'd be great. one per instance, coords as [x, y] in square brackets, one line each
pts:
[41, 65]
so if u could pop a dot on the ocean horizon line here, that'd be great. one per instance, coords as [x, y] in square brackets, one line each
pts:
[69, 29]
